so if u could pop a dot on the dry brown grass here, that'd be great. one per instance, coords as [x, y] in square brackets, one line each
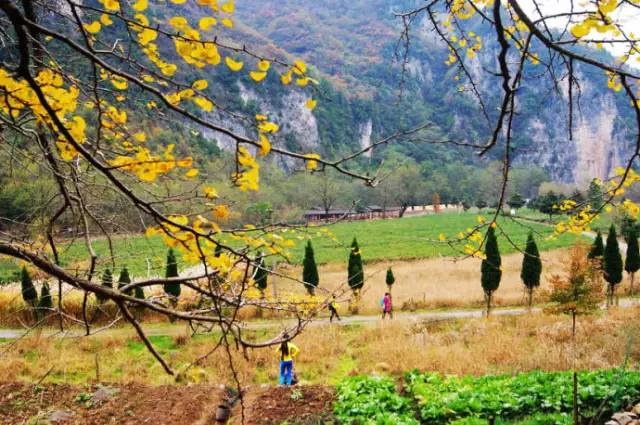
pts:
[433, 283]
[474, 346]
[429, 283]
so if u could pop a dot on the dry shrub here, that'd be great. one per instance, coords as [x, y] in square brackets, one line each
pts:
[180, 340]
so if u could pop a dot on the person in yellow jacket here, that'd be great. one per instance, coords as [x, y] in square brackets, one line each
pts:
[287, 351]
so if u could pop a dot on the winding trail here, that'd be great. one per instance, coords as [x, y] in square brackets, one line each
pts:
[174, 329]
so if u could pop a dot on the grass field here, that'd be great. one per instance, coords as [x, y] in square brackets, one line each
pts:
[431, 283]
[417, 237]
[393, 239]
[500, 345]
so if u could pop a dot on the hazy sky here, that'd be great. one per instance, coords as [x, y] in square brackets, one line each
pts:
[627, 15]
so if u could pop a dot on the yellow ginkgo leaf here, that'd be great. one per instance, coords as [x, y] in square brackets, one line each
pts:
[221, 212]
[93, 28]
[227, 22]
[203, 103]
[111, 5]
[312, 162]
[140, 5]
[210, 192]
[311, 104]
[257, 76]
[264, 65]
[302, 82]
[169, 69]
[299, 67]
[185, 162]
[178, 1]
[265, 145]
[105, 20]
[442, 237]
[178, 22]
[191, 173]
[286, 78]
[140, 137]
[119, 82]
[580, 30]
[232, 64]
[260, 117]
[207, 22]
[147, 36]
[228, 7]
[200, 84]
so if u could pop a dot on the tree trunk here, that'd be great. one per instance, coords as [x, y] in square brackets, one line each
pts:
[631, 283]
[60, 317]
[403, 209]
[488, 297]
[530, 297]
[355, 302]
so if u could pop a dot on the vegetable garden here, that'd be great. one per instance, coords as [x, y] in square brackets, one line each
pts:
[535, 398]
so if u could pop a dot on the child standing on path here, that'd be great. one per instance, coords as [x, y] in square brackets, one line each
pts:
[386, 306]
[287, 351]
[333, 309]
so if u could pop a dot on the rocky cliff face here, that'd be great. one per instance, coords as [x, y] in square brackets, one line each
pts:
[351, 45]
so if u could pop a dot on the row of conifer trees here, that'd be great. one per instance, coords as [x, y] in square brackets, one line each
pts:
[607, 257]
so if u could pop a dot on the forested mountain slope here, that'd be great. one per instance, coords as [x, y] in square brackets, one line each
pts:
[352, 45]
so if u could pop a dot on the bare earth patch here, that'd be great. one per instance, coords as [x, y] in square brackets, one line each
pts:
[300, 405]
[121, 404]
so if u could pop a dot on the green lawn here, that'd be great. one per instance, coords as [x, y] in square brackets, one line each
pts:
[405, 238]
[417, 237]
[141, 255]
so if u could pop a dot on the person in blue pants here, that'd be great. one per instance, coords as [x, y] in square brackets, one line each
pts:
[287, 351]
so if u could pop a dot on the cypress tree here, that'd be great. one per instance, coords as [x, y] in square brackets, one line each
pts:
[612, 263]
[107, 282]
[172, 289]
[531, 267]
[261, 275]
[355, 270]
[491, 267]
[124, 279]
[139, 294]
[632, 263]
[310, 270]
[29, 293]
[45, 302]
[596, 198]
[597, 249]
[390, 279]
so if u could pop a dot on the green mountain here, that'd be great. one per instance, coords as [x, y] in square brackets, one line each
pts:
[352, 46]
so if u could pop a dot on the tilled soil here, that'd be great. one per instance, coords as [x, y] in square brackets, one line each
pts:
[299, 405]
[22, 403]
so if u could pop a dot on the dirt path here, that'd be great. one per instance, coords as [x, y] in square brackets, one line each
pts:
[346, 320]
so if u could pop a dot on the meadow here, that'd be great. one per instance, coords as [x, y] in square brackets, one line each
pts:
[379, 240]
[329, 353]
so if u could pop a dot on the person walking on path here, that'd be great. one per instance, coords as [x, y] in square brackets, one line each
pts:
[333, 309]
[386, 306]
[287, 351]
